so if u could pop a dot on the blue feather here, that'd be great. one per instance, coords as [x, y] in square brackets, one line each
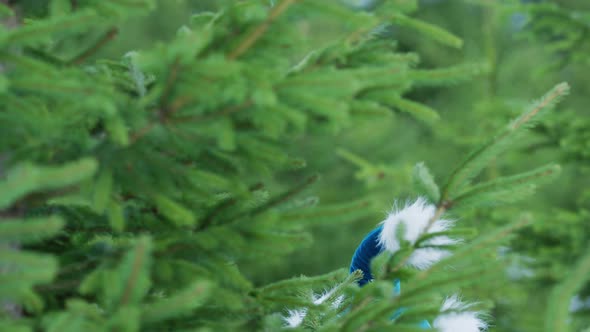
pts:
[361, 260]
[366, 251]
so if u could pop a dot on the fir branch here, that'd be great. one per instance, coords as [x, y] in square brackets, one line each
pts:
[286, 196]
[66, 285]
[45, 56]
[477, 246]
[327, 212]
[140, 250]
[443, 206]
[29, 230]
[428, 29]
[476, 160]
[107, 37]
[289, 301]
[557, 311]
[303, 281]
[164, 111]
[79, 266]
[278, 200]
[170, 80]
[178, 304]
[213, 115]
[32, 32]
[448, 75]
[508, 184]
[367, 306]
[424, 181]
[142, 132]
[557, 92]
[259, 31]
[470, 276]
[221, 206]
[9, 308]
[210, 217]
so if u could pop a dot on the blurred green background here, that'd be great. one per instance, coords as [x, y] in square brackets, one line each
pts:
[525, 60]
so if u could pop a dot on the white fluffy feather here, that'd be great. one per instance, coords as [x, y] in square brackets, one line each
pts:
[320, 298]
[455, 317]
[415, 217]
[294, 318]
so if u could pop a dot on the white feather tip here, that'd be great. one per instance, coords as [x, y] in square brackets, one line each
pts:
[415, 218]
[455, 317]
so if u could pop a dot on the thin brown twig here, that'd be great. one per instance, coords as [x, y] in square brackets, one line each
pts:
[170, 80]
[164, 110]
[108, 36]
[179, 103]
[253, 37]
[225, 111]
[546, 102]
[135, 271]
[286, 196]
[142, 132]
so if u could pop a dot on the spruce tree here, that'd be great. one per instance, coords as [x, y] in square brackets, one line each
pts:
[562, 28]
[528, 43]
[135, 192]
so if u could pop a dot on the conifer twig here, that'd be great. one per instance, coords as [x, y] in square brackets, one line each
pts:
[179, 104]
[108, 36]
[210, 217]
[500, 234]
[558, 312]
[9, 308]
[253, 37]
[287, 195]
[135, 270]
[207, 116]
[170, 80]
[459, 176]
[59, 286]
[45, 56]
[164, 110]
[359, 205]
[142, 132]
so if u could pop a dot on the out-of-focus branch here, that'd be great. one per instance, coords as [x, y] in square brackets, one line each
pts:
[8, 307]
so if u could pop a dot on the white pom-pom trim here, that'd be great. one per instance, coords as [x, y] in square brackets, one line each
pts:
[294, 318]
[415, 218]
[455, 317]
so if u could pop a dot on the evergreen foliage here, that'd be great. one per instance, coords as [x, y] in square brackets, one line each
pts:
[154, 190]
[563, 28]
[528, 44]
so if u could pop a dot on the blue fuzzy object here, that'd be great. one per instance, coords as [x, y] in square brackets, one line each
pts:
[366, 251]
[361, 260]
